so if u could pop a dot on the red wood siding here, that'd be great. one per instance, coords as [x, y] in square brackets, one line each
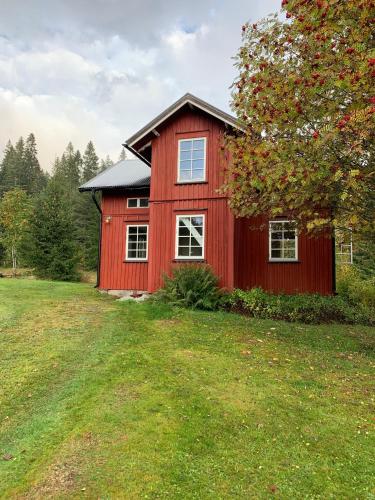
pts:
[218, 238]
[237, 254]
[313, 272]
[169, 199]
[186, 124]
[115, 273]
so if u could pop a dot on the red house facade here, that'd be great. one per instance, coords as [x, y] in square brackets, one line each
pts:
[164, 209]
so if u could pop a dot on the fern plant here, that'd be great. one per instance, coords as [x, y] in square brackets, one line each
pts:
[191, 286]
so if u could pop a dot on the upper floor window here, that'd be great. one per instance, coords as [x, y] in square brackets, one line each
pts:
[137, 203]
[136, 242]
[283, 241]
[190, 237]
[192, 160]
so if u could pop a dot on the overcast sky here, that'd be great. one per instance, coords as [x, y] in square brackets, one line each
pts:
[101, 69]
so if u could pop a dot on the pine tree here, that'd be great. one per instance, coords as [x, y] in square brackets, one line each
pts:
[54, 251]
[106, 163]
[20, 167]
[8, 168]
[19, 177]
[90, 163]
[33, 174]
[68, 169]
[122, 155]
[87, 216]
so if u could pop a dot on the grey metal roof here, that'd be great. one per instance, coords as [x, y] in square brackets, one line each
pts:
[126, 173]
[191, 100]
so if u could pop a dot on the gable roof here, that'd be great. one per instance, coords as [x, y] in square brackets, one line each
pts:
[187, 99]
[126, 173]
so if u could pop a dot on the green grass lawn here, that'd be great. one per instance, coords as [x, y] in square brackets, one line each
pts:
[106, 399]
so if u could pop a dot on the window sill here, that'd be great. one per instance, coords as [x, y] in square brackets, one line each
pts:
[135, 260]
[198, 261]
[181, 183]
[284, 262]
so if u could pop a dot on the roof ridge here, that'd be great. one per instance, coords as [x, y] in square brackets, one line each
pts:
[170, 110]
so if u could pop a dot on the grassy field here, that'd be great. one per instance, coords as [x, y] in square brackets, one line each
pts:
[106, 399]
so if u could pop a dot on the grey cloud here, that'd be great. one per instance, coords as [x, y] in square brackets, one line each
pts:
[101, 69]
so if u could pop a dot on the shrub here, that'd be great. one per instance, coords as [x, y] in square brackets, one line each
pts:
[355, 289]
[192, 286]
[305, 308]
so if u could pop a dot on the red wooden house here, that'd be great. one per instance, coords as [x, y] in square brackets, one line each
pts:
[163, 209]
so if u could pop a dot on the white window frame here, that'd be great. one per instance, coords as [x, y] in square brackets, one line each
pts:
[187, 257]
[191, 181]
[135, 259]
[281, 259]
[138, 202]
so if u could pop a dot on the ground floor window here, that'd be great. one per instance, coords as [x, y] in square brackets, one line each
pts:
[136, 242]
[190, 237]
[283, 241]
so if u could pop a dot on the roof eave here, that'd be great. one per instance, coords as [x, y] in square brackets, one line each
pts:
[186, 99]
[103, 188]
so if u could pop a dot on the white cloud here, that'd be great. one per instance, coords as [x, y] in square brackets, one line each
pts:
[68, 72]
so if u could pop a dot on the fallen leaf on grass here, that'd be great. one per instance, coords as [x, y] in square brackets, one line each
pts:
[8, 456]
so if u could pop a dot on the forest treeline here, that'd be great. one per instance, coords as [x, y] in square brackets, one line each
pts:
[45, 223]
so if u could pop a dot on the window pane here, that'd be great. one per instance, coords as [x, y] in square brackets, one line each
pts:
[289, 226]
[132, 254]
[198, 164]
[289, 244]
[185, 175]
[185, 145]
[289, 254]
[183, 251]
[198, 144]
[197, 221]
[142, 230]
[199, 229]
[132, 203]
[196, 242]
[276, 254]
[184, 221]
[185, 155]
[198, 175]
[196, 251]
[141, 254]
[276, 235]
[184, 241]
[132, 230]
[276, 226]
[143, 202]
[132, 245]
[276, 244]
[198, 153]
[289, 235]
[183, 231]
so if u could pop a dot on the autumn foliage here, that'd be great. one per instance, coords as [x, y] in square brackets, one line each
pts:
[305, 98]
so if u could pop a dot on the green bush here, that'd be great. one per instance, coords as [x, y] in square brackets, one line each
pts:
[304, 308]
[355, 289]
[192, 286]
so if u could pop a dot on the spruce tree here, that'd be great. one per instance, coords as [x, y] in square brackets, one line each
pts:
[54, 252]
[106, 163]
[87, 216]
[90, 163]
[34, 176]
[122, 155]
[68, 169]
[8, 169]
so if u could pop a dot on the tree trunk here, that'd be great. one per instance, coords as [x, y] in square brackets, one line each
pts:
[14, 262]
